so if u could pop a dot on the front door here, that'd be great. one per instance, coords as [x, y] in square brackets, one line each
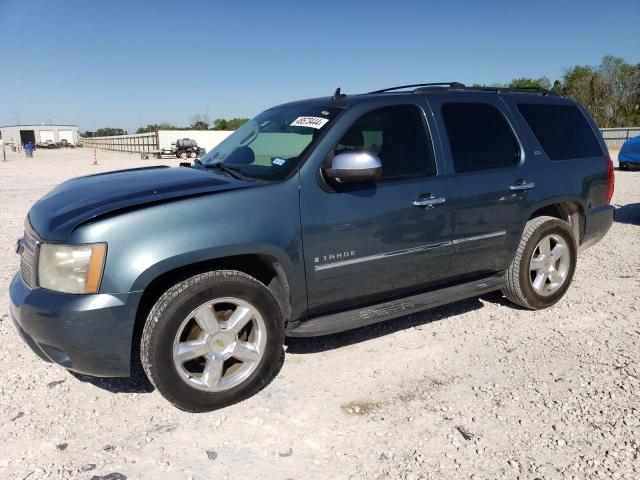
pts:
[368, 242]
[490, 184]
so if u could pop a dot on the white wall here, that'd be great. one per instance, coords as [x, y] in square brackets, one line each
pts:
[44, 135]
[205, 138]
[11, 134]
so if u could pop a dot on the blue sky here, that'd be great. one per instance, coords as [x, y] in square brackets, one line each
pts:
[129, 63]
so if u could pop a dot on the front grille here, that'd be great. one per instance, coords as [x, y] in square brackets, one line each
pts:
[28, 257]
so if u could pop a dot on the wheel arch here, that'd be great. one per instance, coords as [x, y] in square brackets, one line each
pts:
[265, 267]
[569, 210]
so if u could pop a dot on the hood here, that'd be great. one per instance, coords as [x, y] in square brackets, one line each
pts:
[631, 146]
[75, 201]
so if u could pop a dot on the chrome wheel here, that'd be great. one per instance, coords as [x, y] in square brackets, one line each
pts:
[549, 265]
[219, 344]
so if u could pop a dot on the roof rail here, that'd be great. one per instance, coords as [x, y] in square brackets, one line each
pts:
[498, 90]
[439, 84]
[540, 90]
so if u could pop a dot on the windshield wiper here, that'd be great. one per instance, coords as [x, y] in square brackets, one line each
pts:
[232, 171]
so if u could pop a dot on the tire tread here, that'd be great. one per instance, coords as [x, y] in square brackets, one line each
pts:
[147, 344]
[513, 288]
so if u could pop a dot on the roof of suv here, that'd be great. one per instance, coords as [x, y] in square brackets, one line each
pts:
[341, 100]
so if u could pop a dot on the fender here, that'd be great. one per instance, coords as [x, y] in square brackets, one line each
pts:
[144, 243]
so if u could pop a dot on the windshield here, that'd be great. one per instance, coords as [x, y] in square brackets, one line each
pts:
[272, 144]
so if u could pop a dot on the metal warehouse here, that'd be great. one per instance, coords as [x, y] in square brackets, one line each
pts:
[21, 134]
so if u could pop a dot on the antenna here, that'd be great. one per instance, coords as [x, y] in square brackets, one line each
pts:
[337, 95]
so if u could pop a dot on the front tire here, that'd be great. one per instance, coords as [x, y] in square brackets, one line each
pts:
[213, 340]
[543, 266]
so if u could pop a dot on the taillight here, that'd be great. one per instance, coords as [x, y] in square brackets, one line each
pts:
[610, 178]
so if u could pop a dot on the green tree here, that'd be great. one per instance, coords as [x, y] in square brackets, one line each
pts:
[524, 82]
[229, 124]
[110, 132]
[220, 124]
[609, 91]
[154, 127]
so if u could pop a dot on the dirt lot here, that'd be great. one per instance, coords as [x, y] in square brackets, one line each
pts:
[477, 389]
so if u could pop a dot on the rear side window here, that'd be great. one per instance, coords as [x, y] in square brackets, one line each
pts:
[562, 130]
[479, 136]
[398, 136]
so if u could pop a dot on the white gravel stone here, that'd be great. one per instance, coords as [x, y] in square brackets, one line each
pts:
[508, 374]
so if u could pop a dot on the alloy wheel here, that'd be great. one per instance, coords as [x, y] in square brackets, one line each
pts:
[219, 344]
[549, 265]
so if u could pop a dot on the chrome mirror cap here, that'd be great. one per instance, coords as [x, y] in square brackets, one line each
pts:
[354, 167]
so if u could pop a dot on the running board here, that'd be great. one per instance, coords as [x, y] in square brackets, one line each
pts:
[360, 317]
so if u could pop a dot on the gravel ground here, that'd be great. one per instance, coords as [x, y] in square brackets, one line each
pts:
[478, 389]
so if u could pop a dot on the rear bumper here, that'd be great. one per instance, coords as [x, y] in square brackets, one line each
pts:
[89, 334]
[598, 221]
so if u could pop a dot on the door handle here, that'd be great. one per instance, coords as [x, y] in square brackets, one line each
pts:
[428, 201]
[522, 185]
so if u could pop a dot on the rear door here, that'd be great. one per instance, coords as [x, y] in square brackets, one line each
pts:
[490, 184]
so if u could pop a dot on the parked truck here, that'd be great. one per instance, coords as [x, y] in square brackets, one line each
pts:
[183, 148]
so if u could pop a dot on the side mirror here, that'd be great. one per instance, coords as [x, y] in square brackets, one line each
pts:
[351, 167]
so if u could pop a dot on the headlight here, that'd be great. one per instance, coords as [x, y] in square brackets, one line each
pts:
[71, 268]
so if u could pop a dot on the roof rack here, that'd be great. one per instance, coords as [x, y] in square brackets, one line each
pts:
[439, 84]
[430, 87]
[498, 90]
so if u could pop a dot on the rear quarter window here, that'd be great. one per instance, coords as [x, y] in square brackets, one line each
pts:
[562, 130]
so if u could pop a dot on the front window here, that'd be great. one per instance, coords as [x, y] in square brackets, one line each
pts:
[395, 134]
[272, 144]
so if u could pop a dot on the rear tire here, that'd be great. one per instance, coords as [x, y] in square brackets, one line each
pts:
[543, 266]
[195, 356]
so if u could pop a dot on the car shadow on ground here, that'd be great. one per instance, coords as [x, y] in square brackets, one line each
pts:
[306, 345]
[629, 213]
[136, 383]
[139, 383]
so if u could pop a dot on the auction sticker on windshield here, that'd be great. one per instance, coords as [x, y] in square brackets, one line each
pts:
[311, 122]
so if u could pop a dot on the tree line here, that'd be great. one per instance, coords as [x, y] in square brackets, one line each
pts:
[198, 122]
[609, 91]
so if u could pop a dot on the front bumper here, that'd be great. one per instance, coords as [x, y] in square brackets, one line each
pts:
[629, 160]
[598, 221]
[89, 334]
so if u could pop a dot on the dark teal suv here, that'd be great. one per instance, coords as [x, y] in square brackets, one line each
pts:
[315, 217]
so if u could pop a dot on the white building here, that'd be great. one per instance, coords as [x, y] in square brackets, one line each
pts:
[21, 134]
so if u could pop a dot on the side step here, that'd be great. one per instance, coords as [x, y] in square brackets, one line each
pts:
[359, 317]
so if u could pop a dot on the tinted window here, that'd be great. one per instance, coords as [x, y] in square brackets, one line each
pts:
[397, 135]
[562, 130]
[479, 136]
